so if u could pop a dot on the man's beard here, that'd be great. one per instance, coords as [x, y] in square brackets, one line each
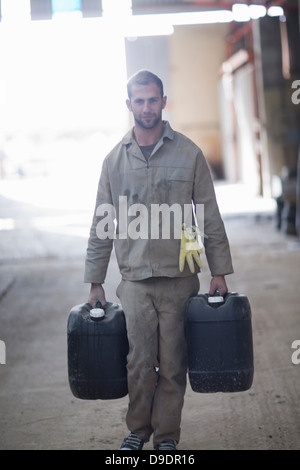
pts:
[150, 124]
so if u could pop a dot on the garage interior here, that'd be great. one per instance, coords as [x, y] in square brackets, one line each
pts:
[232, 76]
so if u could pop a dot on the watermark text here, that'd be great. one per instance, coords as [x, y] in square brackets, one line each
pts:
[159, 221]
[2, 352]
[296, 354]
[296, 93]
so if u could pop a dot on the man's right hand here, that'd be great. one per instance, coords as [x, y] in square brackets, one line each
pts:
[97, 293]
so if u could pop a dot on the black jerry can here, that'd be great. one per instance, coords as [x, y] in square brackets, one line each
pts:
[97, 352]
[220, 343]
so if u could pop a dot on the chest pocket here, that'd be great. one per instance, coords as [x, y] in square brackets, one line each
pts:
[180, 185]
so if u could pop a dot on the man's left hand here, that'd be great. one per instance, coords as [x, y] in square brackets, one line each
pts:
[218, 283]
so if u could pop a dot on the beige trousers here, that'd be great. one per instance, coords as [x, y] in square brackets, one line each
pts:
[157, 359]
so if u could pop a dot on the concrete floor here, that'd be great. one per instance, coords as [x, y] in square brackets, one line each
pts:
[41, 278]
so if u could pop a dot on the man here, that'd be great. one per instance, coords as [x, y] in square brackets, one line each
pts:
[154, 165]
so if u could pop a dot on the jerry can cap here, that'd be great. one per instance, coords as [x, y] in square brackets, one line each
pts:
[216, 298]
[97, 313]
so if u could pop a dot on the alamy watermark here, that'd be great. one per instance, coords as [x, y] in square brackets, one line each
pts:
[296, 93]
[2, 352]
[296, 354]
[160, 221]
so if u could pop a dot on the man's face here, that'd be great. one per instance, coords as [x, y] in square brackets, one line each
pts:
[146, 105]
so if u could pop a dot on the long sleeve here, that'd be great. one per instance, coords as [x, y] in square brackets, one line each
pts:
[216, 244]
[99, 250]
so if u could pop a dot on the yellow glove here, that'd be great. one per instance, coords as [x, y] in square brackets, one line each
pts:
[189, 248]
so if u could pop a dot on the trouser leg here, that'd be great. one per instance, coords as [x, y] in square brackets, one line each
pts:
[142, 360]
[169, 395]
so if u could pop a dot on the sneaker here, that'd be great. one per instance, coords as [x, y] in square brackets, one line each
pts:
[132, 442]
[166, 445]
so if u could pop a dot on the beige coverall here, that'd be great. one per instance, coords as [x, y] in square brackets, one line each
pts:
[153, 291]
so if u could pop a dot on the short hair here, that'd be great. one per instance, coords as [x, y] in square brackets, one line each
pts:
[144, 77]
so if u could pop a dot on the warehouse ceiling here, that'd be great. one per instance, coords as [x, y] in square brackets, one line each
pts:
[46, 9]
[172, 6]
